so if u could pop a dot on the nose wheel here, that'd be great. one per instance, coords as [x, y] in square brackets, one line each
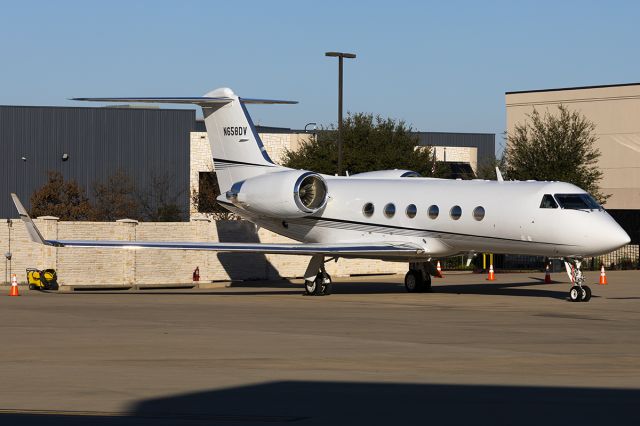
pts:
[578, 292]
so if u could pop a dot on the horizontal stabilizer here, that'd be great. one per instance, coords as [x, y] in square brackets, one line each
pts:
[195, 100]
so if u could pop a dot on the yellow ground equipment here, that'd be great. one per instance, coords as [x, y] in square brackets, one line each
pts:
[42, 280]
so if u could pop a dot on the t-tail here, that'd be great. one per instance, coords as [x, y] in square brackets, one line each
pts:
[238, 152]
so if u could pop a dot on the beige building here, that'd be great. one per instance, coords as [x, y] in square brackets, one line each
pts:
[615, 110]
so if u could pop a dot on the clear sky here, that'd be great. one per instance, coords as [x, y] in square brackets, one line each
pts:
[440, 66]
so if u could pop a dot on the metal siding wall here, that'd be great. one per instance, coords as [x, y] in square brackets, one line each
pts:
[485, 142]
[99, 141]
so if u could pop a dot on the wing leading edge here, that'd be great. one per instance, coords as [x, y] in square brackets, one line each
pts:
[373, 249]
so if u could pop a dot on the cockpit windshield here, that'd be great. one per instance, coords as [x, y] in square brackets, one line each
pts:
[548, 202]
[577, 202]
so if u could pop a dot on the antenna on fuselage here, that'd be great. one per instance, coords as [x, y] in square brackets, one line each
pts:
[499, 177]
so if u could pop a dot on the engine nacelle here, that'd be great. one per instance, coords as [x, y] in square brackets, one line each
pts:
[290, 193]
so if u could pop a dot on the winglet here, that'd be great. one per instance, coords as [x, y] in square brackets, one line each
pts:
[34, 234]
[499, 177]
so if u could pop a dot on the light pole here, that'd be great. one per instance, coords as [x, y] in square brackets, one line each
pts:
[340, 56]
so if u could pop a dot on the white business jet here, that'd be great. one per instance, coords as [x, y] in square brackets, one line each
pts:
[392, 215]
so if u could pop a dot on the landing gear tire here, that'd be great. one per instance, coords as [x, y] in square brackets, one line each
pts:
[310, 287]
[426, 284]
[321, 286]
[328, 284]
[413, 282]
[575, 294]
[585, 296]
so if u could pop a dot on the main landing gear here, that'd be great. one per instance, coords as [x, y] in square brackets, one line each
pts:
[578, 292]
[317, 282]
[418, 279]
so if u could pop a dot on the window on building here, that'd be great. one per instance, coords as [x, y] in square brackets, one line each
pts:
[548, 202]
[368, 210]
[389, 210]
[433, 212]
[411, 211]
[478, 213]
[208, 191]
[455, 212]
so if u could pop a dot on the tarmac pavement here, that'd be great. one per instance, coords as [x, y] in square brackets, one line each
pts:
[513, 351]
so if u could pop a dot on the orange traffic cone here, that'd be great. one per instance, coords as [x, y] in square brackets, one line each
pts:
[14, 286]
[439, 271]
[492, 275]
[603, 276]
[547, 276]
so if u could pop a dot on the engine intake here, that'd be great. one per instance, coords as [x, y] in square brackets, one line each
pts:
[310, 192]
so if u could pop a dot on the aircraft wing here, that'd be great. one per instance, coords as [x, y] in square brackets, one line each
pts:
[366, 249]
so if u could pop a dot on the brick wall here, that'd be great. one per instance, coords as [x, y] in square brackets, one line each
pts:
[84, 266]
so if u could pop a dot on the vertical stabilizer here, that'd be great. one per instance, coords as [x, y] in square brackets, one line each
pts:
[238, 152]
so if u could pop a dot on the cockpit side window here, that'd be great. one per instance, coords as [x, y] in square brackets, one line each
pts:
[548, 202]
[577, 202]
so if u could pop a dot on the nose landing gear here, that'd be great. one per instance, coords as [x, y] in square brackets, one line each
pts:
[578, 292]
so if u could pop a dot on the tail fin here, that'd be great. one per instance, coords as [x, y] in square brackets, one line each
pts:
[238, 152]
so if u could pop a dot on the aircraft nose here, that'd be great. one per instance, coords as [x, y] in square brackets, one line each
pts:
[618, 237]
[624, 238]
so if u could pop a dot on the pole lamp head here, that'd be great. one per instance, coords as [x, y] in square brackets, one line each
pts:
[341, 54]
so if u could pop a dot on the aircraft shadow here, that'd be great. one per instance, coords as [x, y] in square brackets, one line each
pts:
[261, 288]
[324, 403]
[235, 264]
[524, 289]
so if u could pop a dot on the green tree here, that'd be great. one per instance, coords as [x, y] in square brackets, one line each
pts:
[555, 147]
[369, 143]
[487, 169]
[60, 198]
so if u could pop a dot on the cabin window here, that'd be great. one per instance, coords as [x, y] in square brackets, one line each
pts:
[368, 210]
[455, 212]
[411, 211]
[548, 202]
[478, 213]
[389, 210]
[433, 212]
[577, 202]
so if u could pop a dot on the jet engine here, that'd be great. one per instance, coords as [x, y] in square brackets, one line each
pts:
[286, 194]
